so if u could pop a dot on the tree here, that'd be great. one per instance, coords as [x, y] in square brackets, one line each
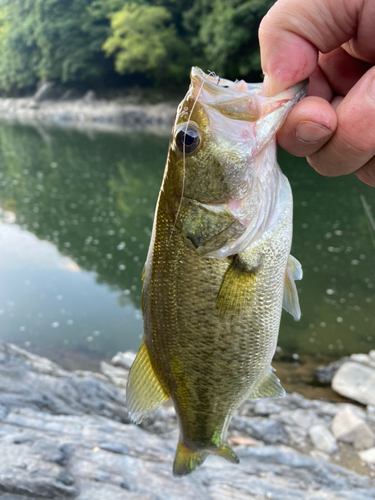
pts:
[145, 40]
[226, 32]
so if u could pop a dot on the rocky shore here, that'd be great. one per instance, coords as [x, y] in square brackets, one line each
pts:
[67, 435]
[87, 113]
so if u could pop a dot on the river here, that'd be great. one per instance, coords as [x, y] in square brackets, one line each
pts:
[76, 215]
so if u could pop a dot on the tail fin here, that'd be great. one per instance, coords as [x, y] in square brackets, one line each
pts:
[186, 461]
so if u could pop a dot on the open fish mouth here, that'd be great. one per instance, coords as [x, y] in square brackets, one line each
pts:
[240, 100]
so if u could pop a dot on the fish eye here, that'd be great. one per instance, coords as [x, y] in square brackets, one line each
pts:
[188, 138]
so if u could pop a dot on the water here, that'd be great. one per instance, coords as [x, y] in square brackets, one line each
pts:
[76, 214]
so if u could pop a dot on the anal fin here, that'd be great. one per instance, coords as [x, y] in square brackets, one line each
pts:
[144, 391]
[227, 453]
[268, 387]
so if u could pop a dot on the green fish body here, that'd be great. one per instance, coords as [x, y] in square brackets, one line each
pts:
[219, 268]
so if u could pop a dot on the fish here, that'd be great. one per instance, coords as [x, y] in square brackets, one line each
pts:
[218, 269]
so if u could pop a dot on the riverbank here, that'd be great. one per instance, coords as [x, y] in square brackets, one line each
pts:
[89, 114]
[67, 435]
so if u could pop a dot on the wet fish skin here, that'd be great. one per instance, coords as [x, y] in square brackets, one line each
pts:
[217, 270]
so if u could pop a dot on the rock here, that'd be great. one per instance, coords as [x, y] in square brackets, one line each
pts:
[90, 96]
[364, 359]
[124, 359]
[322, 439]
[368, 456]
[349, 428]
[325, 374]
[355, 381]
[301, 418]
[263, 429]
[46, 90]
[64, 435]
[118, 376]
[69, 94]
[34, 382]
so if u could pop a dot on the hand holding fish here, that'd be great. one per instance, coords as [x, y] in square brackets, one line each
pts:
[333, 43]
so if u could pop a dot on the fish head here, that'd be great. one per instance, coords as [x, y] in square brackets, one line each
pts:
[221, 129]
[223, 157]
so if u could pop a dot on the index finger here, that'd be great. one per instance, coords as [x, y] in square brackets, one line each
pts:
[293, 33]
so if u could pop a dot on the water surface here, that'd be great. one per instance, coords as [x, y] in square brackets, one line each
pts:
[76, 214]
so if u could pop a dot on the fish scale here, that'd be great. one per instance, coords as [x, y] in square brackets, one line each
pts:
[218, 269]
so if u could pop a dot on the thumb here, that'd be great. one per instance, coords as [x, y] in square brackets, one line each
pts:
[294, 31]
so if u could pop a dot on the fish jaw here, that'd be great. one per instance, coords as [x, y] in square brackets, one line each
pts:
[242, 124]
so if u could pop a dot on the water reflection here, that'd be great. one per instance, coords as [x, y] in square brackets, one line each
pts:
[77, 214]
[92, 199]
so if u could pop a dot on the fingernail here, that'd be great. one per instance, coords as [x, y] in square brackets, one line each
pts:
[311, 132]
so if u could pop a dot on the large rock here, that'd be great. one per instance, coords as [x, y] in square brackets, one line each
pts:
[65, 435]
[124, 359]
[347, 426]
[46, 90]
[368, 456]
[322, 439]
[355, 381]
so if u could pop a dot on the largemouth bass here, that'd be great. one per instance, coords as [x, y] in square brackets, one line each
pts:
[218, 270]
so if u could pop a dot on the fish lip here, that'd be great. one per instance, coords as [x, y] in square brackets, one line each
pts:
[220, 87]
[240, 100]
[224, 87]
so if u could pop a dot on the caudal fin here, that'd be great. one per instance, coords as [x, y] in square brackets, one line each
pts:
[186, 461]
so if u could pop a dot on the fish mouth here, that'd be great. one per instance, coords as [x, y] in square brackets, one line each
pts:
[240, 100]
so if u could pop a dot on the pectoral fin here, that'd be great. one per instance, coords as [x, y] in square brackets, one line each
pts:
[295, 268]
[237, 287]
[290, 298]
[268, 387]
[144, 392]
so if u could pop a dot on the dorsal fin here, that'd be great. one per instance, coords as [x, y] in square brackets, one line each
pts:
[144, 392]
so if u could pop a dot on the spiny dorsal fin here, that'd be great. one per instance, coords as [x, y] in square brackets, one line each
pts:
[268, 387]
[295, 267]
[144, 392]
[186, 461]
[237, 287]
[290, 297]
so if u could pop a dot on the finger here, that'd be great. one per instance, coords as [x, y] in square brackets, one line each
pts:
[293, 32]
[319, 85]
[341, 70]
[310, 124]
[362, 45]
[353, 143]
[366, 173]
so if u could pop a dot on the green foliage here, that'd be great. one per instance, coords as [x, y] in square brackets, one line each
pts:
[18, 52]
[144, 40]
[86, 40]
[226, 31]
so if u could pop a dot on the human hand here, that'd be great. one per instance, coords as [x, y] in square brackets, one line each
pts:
[333, 43]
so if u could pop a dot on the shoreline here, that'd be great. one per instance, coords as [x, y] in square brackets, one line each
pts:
[71, 432]
[89, 114]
